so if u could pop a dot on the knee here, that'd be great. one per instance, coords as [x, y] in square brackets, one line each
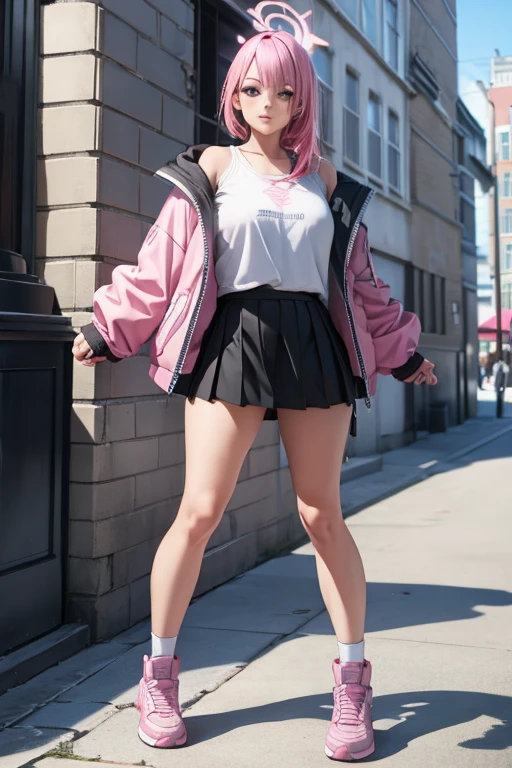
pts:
[321, 521]
[200, 516]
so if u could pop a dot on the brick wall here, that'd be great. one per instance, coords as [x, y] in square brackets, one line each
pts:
[116, 103]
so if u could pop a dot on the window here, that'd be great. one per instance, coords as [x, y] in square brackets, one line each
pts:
[374, 136]
[391, 33]
[506, 222]
[507, 262]
[438, 298]
[217, 47]
[506, 296]
[505, 185]
[504, 145]
[459, 146]
[350, 7]
[430, 301]
[322, 61]
[351, 118]
[467, 217]
[393, 151]
[369, 16]
[379, 21]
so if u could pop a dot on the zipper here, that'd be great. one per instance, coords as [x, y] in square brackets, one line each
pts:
[195, 314]
[351, 242]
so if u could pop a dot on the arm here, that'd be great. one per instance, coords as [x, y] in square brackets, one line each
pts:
[395, 333]
[127, 311]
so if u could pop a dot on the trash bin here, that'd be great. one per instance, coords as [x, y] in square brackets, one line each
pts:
[438, 417]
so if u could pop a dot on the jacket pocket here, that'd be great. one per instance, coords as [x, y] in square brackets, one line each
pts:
[169, 324]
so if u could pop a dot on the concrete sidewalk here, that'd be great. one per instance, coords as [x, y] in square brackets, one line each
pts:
[256, 652]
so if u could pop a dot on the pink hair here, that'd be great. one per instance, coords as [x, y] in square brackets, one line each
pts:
[281, 61]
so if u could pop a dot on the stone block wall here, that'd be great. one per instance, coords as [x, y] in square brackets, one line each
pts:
[116, 102]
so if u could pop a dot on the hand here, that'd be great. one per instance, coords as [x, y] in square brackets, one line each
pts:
[425, 373]
[83, 353]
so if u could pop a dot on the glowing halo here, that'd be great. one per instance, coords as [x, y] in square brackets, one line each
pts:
[302, 33]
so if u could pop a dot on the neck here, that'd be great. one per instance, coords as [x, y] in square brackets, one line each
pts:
[269, 146]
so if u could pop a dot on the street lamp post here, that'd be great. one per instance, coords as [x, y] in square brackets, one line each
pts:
[497, 270]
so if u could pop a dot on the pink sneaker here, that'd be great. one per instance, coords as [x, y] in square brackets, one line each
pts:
[161, 724]
[350, 734]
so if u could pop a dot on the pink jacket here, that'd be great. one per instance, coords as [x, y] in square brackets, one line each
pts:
[171, 295]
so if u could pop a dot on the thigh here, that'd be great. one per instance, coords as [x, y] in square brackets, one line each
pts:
[218, 436]
[315, 441]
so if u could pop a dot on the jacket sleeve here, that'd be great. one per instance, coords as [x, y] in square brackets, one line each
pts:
[128, 310]
[395, 333]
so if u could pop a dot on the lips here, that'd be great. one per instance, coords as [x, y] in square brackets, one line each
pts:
[264, 117]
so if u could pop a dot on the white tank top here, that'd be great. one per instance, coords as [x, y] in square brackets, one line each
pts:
[270, 230]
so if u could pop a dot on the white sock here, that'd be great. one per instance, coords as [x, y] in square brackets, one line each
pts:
[163, 646]
[351, 651]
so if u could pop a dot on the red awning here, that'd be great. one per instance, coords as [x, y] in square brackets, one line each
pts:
[487, 330]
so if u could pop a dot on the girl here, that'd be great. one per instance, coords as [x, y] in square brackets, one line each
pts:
[259, 283]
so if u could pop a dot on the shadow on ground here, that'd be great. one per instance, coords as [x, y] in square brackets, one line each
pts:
[409, 715]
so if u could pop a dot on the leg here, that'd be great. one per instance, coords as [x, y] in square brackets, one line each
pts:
[217, 438]
[315, 440]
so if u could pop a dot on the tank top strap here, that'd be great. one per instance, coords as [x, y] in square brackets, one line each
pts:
[233, 166]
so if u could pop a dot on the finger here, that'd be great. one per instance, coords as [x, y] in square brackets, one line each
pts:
[79, 354]
[92, 361]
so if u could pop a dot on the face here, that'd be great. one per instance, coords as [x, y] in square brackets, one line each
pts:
[254, 100]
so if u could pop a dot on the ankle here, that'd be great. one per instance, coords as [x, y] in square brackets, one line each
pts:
[162, 646]
[351, 651]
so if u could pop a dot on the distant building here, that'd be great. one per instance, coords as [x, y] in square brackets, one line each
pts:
[475, 181]
[500, 94]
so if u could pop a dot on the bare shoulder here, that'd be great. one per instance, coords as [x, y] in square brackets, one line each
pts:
[214, 160]
[328, 172]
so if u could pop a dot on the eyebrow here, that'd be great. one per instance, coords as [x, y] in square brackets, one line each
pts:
[259, 81]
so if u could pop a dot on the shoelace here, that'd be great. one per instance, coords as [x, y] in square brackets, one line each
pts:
[349, 705]
[163, 700]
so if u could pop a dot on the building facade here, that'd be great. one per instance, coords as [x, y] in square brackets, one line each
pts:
[444, 274]
[365, 70]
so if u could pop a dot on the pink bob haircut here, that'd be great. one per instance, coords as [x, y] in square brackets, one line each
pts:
[280, 61]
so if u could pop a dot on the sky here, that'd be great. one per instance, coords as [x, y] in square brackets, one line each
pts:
[482, 26]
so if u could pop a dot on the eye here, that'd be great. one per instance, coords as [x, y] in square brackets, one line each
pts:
[249, 88]
[288, 94]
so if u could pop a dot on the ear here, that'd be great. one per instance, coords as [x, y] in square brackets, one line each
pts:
[235, 100]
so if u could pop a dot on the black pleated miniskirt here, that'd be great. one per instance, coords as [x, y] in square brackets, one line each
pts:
[272, 348]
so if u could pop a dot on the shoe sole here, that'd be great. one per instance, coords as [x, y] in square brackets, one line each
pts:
[153, 742]
[342, 753]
